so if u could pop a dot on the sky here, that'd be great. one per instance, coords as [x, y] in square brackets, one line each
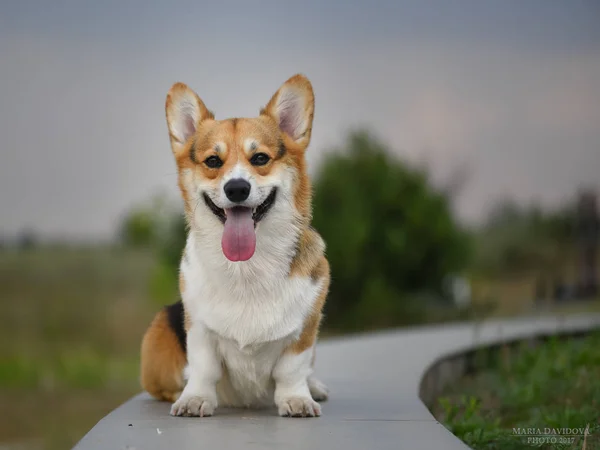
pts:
[508, 89]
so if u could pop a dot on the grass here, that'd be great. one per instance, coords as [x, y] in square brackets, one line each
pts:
[556, 385]
[70, 332]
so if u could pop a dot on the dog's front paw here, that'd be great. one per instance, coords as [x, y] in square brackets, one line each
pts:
[299, 407]
[193, 406]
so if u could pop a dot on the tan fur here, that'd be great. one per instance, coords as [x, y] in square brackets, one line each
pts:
[187, 321]
[230, 132]
[181, 283]
[300, 83]
[309, 254]
[303, 194]
[319, 273]
[162, 360]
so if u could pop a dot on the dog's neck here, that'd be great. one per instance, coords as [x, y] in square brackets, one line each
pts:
[276, 248]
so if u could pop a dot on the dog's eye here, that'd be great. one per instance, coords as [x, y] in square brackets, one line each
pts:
[259, 159]
[214, 162]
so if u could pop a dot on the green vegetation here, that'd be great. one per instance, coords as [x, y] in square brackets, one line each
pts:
[391, 237]
[556, 385]
[520, 238]
[523, 252]
[70, 329]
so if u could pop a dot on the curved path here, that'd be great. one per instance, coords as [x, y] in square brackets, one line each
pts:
[374, 403]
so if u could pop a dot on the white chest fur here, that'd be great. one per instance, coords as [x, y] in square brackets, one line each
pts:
[249, 303]
[253, 310]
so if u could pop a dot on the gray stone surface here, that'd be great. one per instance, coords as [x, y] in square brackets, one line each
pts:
[374, 381]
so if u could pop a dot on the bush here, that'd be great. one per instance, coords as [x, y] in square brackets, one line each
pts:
[169, 247]
[138, 228]
[159, 226]
[151, 224]
[390, 235]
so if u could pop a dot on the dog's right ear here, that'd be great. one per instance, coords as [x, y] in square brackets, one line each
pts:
[292, 107]
[184, 111]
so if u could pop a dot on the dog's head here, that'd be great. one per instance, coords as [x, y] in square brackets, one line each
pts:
[240, 175]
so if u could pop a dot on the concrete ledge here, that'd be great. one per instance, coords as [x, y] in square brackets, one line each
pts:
[493, 336]
[378, 384]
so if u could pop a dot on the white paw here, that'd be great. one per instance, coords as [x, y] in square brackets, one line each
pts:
[299, 407]
[193, 406]
[318, 390]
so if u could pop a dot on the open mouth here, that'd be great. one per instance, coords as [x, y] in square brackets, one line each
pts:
[239, 227]
[258, 213]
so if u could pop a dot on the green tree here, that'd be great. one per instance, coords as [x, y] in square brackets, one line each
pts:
[138, 228]
[390, 235]
[169, 247]
[150, 224]
[158, 225]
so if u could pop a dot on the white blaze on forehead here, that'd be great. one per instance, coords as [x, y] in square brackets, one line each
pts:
[250, 144]
[238, 171]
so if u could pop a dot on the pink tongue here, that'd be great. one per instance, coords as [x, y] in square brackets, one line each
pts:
[239, 238]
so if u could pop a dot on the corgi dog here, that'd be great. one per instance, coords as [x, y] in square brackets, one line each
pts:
[253, 274]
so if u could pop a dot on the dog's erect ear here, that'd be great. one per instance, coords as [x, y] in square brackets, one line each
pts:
[184, 111]
[293, 107]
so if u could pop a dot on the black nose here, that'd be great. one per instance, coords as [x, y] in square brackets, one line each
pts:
[237, 190]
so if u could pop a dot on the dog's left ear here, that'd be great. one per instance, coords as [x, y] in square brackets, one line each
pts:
[293, 107]
[185, 111]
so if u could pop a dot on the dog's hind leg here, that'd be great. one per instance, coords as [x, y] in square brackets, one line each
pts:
[163, 357]
[318, 391]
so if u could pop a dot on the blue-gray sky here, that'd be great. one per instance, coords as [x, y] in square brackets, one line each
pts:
[510, 87]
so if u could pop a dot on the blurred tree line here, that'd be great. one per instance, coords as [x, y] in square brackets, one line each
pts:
[518, 238]
[392, 238]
